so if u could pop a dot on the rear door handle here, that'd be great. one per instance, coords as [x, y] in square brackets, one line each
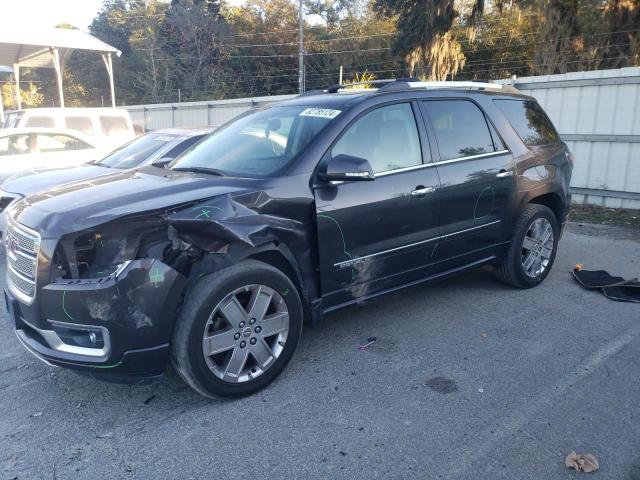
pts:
[504, 173]
[419, 191]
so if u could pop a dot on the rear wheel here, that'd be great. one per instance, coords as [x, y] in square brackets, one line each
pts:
[533, 248]
[237, 330]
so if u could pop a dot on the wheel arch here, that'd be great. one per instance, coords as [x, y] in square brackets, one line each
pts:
[554, 202]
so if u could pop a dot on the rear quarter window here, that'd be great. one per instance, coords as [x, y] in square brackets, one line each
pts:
[529, 121]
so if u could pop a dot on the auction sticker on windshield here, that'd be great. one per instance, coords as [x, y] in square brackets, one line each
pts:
[320, 112]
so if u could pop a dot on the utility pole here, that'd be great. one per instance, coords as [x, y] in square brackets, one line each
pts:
[301, 49]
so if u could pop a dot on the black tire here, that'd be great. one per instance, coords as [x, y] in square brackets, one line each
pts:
[510, 270]
[188, 357]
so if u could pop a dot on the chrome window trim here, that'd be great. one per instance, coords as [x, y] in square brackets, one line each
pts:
[441, 237]
[471, 157]
[428, 165]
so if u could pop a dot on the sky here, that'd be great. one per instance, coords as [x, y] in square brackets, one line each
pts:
[49, 13]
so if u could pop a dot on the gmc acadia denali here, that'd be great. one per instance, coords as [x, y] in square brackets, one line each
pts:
[280, 216]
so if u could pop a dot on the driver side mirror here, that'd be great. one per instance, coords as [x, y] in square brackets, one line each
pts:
[163, 162]
[347, 168]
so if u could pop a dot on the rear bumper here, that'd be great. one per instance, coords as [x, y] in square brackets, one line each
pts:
[131, 317]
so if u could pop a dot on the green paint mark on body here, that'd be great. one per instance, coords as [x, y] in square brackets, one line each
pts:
[285, 292]
[155, 276]
[64, 307]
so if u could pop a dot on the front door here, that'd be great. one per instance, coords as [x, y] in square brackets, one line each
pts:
[374, 235]
[477, 180]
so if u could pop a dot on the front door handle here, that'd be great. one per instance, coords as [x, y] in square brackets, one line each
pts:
[504, 173]
[420, 191]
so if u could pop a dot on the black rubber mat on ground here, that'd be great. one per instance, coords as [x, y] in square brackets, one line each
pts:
[615, 288]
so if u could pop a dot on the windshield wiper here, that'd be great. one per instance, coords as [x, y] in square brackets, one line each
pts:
[211, 171]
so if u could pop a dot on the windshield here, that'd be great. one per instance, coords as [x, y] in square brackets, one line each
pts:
[137, 151]
[258, 144]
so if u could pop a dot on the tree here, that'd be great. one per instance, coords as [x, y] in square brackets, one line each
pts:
[623, 42]
[424, 37]
[560, 31]
[192, 34]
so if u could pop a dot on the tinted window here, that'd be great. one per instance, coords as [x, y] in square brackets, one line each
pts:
[40, 122]
[460, 127]
[529, 121]
[112, 125]
[183, 146]
[81, 124]
[259, 143]
[137, 151]
[387, 137]
[57, 142]
[15, 144]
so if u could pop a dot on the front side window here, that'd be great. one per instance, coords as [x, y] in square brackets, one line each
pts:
[15, 144]
[386, 137]
[80, 123]
[58, 143]
[136, 151]
[113, 125]
[460, 128]
[529, 121]
[258, 144]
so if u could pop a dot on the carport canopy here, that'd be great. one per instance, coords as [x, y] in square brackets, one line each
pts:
[49, 48]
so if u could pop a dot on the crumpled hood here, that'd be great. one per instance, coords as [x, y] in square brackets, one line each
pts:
[80, 205]
[32, 181]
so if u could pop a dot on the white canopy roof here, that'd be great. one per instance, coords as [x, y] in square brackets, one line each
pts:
[48, 48]
[31, 48]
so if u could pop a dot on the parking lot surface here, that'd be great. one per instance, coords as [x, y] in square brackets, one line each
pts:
[468, 379]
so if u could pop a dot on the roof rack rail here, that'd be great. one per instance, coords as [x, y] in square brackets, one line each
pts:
[341, 86]
[399, 84]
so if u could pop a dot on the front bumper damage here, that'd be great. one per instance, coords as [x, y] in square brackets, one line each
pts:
[116, 327]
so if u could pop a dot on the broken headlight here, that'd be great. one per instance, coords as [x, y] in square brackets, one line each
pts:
[106, 250]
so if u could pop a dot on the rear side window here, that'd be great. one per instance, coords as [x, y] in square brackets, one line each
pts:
[529, 121]
[461, 129]
[39, 122]
[387, 137]
[112, 125]
[59, 142]
[79, 123]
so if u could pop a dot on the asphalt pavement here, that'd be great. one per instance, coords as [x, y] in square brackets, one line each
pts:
[468, 379]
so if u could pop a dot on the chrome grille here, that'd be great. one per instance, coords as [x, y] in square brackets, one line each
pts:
[22, 247]
[22, 284]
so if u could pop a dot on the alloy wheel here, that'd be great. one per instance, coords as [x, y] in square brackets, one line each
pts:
[537, 247]
[245, 333]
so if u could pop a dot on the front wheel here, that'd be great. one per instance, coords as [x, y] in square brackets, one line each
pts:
[533, 248]
[237, 330]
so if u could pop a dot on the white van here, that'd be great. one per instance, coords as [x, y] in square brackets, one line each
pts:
[108, 126]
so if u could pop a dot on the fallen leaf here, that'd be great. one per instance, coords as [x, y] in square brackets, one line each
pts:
[582, 462]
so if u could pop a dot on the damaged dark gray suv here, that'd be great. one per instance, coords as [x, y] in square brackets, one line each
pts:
[279, 217]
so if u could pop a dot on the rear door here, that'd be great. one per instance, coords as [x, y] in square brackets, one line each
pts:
[477, 179]
[374, 235]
